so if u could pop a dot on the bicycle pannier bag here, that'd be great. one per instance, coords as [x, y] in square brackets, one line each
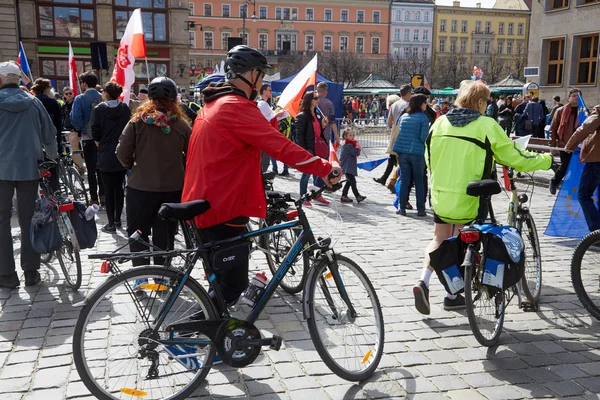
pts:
[447, 261]
[45, 235]
[504, 256]
[230, 256]
[85, 230]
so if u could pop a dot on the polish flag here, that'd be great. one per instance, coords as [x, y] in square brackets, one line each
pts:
[132, 46]
[293, 92]
[73, 72]
[333, 158]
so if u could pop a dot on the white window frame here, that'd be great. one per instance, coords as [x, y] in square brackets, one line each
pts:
[477, 46]
[397, 34]
[500, 46]
[407, 35]
[356, 45]
[192, 35]
[406, 16]
[204, 9]
[398, 15]
[224, 44]
[312, 40]
[330, 43]
[511, 28]
[267, 42]
[463, 45]
[312, 17]
[418, 16]
[223, 14]
[453, 45]
[378, 40]
[406, 52]
[347, 43]
[488, 27]
[244, 7]
[464, 26]
[501, 28]
[192, 8]
[509, 47]
[212, 39]
[330, 15]
[486, 46]
[442, 25]
[521, 28]
[294, 11]
[426, 17]
[280, 13]
[363, 18]
[266, 12]
[478, 26]
[416, 34]
[442, 46]
[425, 35]
[415, 52]
[453, 26]
[378, 13]
[347, 15]
[208, 63]
[424, 53]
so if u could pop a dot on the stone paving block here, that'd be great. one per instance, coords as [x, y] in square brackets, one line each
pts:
[411, 359]
[227, 391]
[449, 382]
[267, 386]
[565, 388]
[51, 378]
[45, 394]
[466, 394]
[312, 394]
[480, 380]
[501, 393]
[23, 356]
[534, 390]
[592, 368]
[289, 370]
[567, 371]
[254, 372]
[542, 375]
[346, 391]
[418, 385]
[17, 370]
[303, 382]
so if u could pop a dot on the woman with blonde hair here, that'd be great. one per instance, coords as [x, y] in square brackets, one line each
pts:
[461, 148]
[153, 147]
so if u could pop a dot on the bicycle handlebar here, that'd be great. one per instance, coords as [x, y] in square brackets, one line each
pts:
[314, 194]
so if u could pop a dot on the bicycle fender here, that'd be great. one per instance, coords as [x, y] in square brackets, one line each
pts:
[306, 295]
[468, 256]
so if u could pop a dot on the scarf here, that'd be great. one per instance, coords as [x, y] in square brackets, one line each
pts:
[567, 113]
[160, 119]
[352, 142]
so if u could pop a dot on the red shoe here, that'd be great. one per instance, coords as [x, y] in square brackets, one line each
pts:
[307, 204]
[322, 200]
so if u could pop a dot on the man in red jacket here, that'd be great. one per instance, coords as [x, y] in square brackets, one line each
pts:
[223, 159]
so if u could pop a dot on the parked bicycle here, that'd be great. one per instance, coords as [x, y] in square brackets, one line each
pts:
[162, 344]
[585, 274]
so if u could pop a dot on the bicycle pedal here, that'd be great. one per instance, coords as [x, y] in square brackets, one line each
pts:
[528, 306]
[276, 343]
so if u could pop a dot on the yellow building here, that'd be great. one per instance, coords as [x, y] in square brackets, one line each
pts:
[493, 39]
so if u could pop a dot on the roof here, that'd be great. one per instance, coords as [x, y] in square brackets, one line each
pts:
[375, 81]
[511, 5]
[509, 81]
[415, 1]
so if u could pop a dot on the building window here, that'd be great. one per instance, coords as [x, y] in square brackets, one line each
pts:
[326, 43]
[328, 13]
[192, 39]
[396, 52]
[375, 45]
[244, 37]
[406, 16]
[406, 52]
[263, 41]
[520, 28]
[208, 40]
[557, 4]
[464, 27]
[154, 23]
[310, 14]
[262, 12]
[360, 44]
[426, 17]
[476, 46]
[376, 15]
[415, 52]
[424, 52]
[488, 27]
[587, 60]
[286, 42]
[425, 35]
[224, 40]
[416, 35]
[191, 8]
[501, 28]
[360, 16]
[277, 12]
[486, 47]
[69, 22]
[511, 28]
[207, 10]
[243, 11]
[519, 46]
[406, 35]
[208, 63]
[478, 27]
[509, 46]
[500, 47]
[418, 16]
[295, 14]
[442, 45]
[463, 46]
[397, 15]
[309, 41]
[556, 58]
[443, 25]
[397, 34]
[343, 43]
[462, 65]
[453, 46]
[453, 25]
[225, 10]
[344, 16]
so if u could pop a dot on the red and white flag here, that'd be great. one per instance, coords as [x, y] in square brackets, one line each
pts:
[132, 46]
[73, 72]
[293, 92]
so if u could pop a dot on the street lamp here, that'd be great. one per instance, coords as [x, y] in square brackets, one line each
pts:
[253, 18]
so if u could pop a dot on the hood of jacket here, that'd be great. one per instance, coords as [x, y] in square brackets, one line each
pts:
[15, 100]
[112, 109]
[462, 116]
[211, 93]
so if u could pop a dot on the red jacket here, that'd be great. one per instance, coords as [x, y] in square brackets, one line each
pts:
[223, 159]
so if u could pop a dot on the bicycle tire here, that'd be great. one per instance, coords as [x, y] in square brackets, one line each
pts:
[78, 186]
[68, 252]
[592, 239]
[97, 301]
[273, 247]
[531, 282]
[368, 345]
[473, 287]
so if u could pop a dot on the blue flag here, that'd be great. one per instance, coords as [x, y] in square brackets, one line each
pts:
[582, 112]
[371, 164]
[23, 63]
[567, 218]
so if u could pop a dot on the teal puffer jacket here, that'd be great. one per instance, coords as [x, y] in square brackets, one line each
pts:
[413, 133]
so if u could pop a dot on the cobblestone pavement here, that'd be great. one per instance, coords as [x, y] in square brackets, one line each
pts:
[553, 353]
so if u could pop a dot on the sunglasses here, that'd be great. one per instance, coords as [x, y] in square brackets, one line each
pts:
[315, 98]
[68, 94]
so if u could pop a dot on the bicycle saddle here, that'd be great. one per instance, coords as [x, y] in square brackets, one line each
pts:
[183, 211]
[484, 187]
[269, 176]
[47, 164]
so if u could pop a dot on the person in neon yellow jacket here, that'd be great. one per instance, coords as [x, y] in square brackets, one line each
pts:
[462, 147]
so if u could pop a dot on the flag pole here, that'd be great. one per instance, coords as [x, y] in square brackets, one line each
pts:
[147, 70]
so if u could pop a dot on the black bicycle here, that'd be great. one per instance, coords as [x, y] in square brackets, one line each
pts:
[585, 274]
[152, 332]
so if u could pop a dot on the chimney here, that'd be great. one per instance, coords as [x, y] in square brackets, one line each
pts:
[456, 4]
[477, 5]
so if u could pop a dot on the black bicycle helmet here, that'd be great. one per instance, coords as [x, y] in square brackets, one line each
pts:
[244, 58]
[162, 88]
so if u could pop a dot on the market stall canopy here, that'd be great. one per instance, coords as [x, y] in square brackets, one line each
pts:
[374, 84]
[511, 84]
[270, 78]
[445, 92]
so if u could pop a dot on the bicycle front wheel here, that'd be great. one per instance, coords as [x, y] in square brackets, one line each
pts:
[68, 253]
[350, 344]
[485, 308]
[585, 273]
[116, 347]
[277, 245]
[531, 283]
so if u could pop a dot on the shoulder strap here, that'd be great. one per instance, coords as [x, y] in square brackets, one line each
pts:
[487, 146]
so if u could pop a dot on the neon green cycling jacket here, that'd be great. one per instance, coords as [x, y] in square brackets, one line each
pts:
[459, 151]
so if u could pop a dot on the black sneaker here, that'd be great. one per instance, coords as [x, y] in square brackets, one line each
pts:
[379, 180]
[552, 187]
[118, 224]
[421, 293]
[345, 199]
[456, 304]
[32, 278]
[109, 228]
[285, 173]
[360, 199]
[10, 281]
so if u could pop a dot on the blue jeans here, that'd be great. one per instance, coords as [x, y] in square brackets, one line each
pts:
[317, 181]
[274, 165]
[412, 165]
[588, 183]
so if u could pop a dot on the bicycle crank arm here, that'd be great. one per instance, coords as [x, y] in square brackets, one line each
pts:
[207, 327]
[274, 343]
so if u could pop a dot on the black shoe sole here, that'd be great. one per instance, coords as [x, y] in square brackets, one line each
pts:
[421, 303]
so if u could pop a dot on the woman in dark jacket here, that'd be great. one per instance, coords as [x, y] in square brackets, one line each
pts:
[505, 115]
[309, 128]
[110, 118]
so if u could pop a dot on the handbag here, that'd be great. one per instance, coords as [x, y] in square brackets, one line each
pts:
[85, 229]
[44, 235]
[528, 126]
[321, 148]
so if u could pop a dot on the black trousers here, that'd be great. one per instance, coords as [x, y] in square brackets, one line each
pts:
[565, 159]
[350, 183]
[90, 155]
[233, 280]
[142, 215]
[27, 192]
[114, 194]
[392, 162]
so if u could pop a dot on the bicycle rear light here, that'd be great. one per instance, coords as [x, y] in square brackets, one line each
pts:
[45, 174]
[470, 236]
[105, 267]
[291, 214]
[66, 207]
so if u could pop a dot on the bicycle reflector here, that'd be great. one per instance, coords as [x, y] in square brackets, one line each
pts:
[291, 214]
[45, 174]
[470, 236]
[105, 268]
[66, 207]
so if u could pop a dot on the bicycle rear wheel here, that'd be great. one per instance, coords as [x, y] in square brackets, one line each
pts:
[77, 186]
[585, 273]
[485, 307]
[277, 245]
[531, 283]
[68, 253]
[350, 345]
[115, 345]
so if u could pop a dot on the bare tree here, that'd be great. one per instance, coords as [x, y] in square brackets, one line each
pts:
[392, 69]
[343, 67]
[449, 70]
[495, 66]
[518, 62]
